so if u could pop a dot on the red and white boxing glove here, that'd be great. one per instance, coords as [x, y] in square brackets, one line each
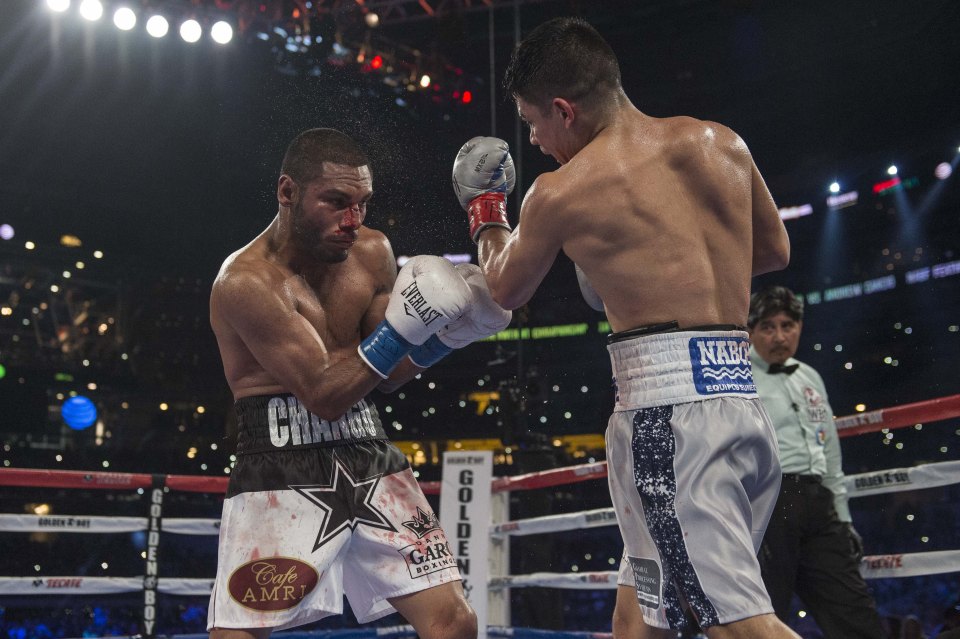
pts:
[429, 294]
[482, 318]
[483, 176]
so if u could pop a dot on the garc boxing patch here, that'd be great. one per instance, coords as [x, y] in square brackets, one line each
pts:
[721, 365]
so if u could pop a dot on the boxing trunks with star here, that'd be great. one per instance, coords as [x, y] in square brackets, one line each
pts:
[316, 510]
[694, 472]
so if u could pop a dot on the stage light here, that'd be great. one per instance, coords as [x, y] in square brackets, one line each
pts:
[835, 187]
[190, 31]
[943, 171]
[892, 170]
[124, 18]
[6, 232]
[372, 20]
[78, 412]
[377, 62]
[58, 5]
[424, 81]
[221, 32]
[793, 212]
[91, 9]
[157, 26]
[467, 97]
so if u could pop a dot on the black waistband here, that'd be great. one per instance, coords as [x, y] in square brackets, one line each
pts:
[802, 479]
[668, 327]
[281, 422]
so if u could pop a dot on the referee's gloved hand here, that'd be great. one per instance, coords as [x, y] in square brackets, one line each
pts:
[856, 541]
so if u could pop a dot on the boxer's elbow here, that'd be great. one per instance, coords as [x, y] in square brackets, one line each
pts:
[773, 257]
[327, 407]
[507, 298]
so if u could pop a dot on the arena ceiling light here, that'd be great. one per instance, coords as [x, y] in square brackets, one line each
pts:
[221, 32]
[124, 18]
[892, 169]
[58, 5]
[157, 26]
[190, 30]
[91, 10]
[835, 187]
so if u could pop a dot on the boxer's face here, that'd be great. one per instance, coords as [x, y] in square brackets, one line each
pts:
[327, 211]
[776, 337]
[546, 128]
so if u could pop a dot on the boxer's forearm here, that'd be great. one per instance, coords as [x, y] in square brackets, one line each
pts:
[506, 283]
[403, 373]
[338, 387]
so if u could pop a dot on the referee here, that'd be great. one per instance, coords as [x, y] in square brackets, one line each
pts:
[810, 547]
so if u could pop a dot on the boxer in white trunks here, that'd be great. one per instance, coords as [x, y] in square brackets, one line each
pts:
[310, 317]
[667, 221]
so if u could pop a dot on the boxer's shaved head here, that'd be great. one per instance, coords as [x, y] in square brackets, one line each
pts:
[306, 154]
[563, 58]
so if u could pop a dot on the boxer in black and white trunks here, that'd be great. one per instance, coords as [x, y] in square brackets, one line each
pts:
[666, 220]
[310, 317]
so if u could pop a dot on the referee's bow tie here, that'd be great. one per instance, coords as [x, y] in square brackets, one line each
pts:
[780, 368]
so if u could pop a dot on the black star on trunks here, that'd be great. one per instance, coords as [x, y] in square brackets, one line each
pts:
[345, 502]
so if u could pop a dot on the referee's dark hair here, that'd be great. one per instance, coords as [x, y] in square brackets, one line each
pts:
[771, 301]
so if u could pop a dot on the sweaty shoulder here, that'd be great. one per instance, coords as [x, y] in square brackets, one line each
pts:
[246, 273]
[373, 250]
[372, 244]
[689, 139]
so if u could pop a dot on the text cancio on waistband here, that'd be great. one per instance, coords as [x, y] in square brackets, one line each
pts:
[290, 422]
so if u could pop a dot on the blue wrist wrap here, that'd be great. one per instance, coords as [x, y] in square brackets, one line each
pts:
[430, 352]
[384, 348]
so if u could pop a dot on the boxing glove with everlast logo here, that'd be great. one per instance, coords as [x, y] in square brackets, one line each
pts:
[483, 176]
[428, 295]
[482, 318]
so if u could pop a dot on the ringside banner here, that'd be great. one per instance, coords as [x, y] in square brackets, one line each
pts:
[465, 517]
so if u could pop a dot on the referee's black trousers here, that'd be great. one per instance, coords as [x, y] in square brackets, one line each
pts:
[806, 550]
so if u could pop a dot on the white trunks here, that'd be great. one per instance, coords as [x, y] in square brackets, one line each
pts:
[694, 475]
[317, 510]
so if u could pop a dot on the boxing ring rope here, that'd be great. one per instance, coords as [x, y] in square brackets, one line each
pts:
[871, 483]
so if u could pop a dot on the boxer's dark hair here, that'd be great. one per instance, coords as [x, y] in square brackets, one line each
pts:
[562, 58]
[306, 154]
[773, 300]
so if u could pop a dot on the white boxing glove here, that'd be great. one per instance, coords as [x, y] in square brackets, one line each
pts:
[590, 295]
[428, 294]
[483, 318]
[483, 176]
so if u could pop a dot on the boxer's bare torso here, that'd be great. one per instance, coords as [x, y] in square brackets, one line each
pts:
[332, 306]
[668, 218]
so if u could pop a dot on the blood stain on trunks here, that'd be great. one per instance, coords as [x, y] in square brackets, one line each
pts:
[272, 501]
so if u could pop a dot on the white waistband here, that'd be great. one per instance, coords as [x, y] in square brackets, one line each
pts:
[680, 367]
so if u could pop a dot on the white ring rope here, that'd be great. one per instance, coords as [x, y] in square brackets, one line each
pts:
[864, 484]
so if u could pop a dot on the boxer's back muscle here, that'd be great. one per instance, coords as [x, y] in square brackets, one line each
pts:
[659, 217]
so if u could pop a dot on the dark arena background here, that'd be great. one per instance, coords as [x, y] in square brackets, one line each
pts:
[131, 165]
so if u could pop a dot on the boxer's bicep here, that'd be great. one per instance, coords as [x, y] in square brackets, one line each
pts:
[282, 341]
[771, 245]
[383, 269]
